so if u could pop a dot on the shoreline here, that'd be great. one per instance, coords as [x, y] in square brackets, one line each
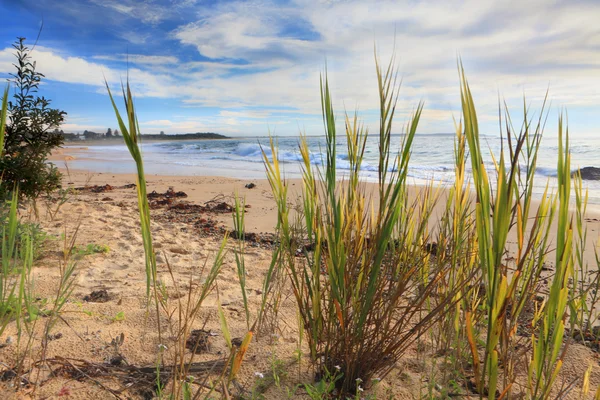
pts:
[261, 217]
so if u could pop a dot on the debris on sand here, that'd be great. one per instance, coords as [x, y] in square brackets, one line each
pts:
[199, 341]
[169, 194]
[97, 296]
[100, 189]
[103, 188]
[250, 185]
[258, 239]
[140, 380]
[158, 200]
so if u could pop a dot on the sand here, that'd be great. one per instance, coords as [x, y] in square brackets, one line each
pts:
[110, 219]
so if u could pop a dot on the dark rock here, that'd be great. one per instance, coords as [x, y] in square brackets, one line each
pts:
[589, 173]
[250, 185]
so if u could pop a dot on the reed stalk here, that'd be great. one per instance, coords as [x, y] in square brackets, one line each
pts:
[3, 112]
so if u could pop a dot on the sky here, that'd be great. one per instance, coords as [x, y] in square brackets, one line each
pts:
[250, 68]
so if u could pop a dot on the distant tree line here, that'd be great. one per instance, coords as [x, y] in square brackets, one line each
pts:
[114, 134]
[88, 135]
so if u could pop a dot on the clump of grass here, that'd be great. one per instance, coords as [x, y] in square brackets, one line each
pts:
[15, 269]
[509, 285]
[362, 292]
[239, 227]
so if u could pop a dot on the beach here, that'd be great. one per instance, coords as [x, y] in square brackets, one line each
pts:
[102, 210]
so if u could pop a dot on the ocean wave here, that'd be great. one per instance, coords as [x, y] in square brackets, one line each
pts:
[547, 171]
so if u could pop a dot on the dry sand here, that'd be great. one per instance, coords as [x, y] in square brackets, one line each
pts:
[111, 219]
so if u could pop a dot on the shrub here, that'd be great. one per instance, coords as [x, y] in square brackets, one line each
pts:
[30, 135]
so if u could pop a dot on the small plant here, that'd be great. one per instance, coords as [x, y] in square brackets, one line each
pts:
[55, 200]
[326, 387]
[120, 316]
[92, 248]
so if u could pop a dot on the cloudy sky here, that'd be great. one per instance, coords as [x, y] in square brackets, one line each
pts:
[247, 67]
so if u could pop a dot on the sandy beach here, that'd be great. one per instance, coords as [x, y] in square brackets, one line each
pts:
[103, 210]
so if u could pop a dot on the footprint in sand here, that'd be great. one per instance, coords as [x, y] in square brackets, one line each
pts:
[125, 246]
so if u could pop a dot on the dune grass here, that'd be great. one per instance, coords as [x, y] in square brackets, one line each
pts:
[370, 287]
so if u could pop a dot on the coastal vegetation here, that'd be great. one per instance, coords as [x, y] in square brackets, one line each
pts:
[29, 132]
[89, 135]
[462, 278]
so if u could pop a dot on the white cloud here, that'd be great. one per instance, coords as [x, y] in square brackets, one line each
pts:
[270, 57]
[139, 59]
[147, 11]
[245, 114]
[77, 70]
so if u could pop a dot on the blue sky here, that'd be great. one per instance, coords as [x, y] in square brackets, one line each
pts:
[250, 67]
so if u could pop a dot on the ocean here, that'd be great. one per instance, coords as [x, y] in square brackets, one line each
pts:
[432, 158]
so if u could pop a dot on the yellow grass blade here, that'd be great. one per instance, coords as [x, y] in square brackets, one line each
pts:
[239, 355]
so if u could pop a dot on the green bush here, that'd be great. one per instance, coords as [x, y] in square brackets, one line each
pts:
[29, 136]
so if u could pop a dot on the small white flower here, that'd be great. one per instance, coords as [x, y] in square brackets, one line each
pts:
[360, 389]
[358, 380]
[338, 367]
[259, 374]
[162, 347]
[376, 379]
